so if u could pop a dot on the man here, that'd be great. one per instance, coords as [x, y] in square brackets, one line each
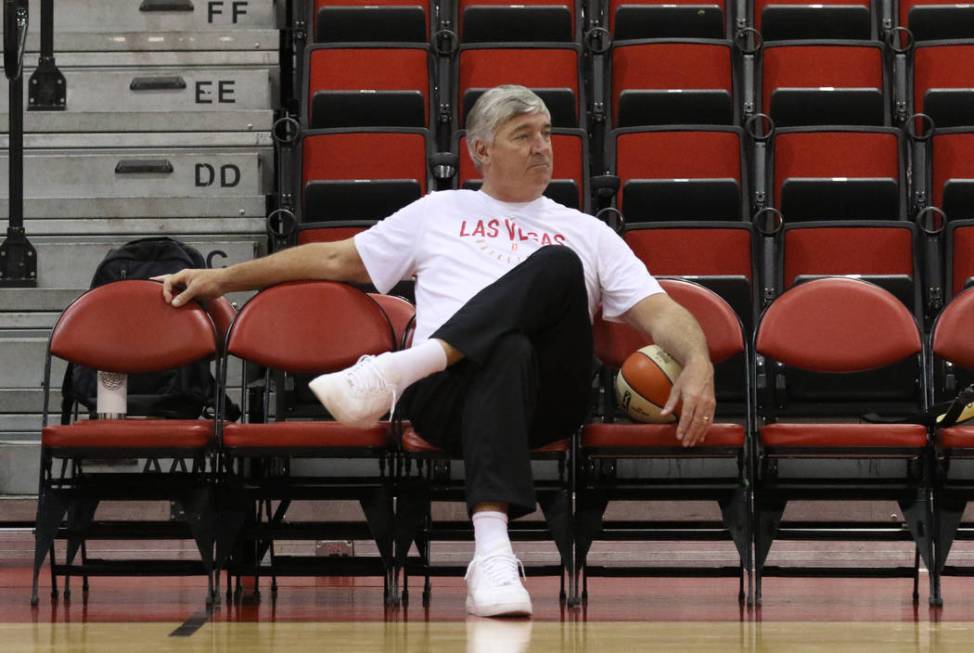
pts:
[507, 282]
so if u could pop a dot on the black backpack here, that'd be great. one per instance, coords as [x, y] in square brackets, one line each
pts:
[183, 393]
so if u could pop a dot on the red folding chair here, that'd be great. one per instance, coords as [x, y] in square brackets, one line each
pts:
[374, 85]
[652, 19]
[343, 178]
[812, 443]
[293, 330]
[493, 21]
[375, 21]
[679, 173]
[943, 80]
[824, 83]
[838, 173]
[718, 469]
[660, 82]
[779, 20]
[126, 327]
[952, 172]
[936, 20]
[960, 257]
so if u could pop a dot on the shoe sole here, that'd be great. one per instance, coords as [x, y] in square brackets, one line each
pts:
[512, 609]
[322, 387]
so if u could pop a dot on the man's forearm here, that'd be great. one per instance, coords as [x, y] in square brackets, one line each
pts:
[671, 327]
[679, 334]
[323, 261]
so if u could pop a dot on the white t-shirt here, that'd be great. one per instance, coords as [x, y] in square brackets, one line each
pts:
[457, 242]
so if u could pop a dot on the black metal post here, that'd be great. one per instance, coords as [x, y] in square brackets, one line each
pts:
[18, 259]
[48, 88]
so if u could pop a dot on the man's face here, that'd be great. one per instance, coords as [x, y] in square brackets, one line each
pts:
[517, 166]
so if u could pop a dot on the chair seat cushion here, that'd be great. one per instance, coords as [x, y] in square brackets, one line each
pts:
[654, 436]
[956, 437]
[305, 435]
[897, 436]
[130, 434]
[414, 443]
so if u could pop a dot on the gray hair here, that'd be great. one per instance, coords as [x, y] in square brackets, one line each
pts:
[495, 107]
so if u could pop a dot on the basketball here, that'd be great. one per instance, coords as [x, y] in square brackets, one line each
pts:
[643, 384]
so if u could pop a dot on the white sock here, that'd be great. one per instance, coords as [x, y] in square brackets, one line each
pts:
[490, 532]
[406, 367]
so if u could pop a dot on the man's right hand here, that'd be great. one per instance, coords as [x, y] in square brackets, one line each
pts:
[188, 284]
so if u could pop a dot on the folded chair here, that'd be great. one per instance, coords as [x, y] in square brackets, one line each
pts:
[369, 20]
[342, 179]
[943, 81]
[650, 19]
[304, 328]
[812, 443]
[126, 327]
[621, 460]
[828, 82]
[936, 19]
[803, 19]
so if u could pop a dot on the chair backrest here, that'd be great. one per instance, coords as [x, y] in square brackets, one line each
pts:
[650, 19]
[951, 335]
[960, 256]
[491, 21]
[952, 174]
[402, 316]
[127, 327]
[838, 173]
[802, 19]
[310, 327]
[370, 20]
[824, 83]
[327, 232]
[645, 75]
[883, 252]
[936, 19]
[718, 256]
[222, 313]
[568, 176]
[943, 79]
[679, 174]
[837, 325]
[552, 72]
[368, 86]
[361, 174]
[615, 341]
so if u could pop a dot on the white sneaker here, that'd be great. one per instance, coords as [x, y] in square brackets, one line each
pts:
[356, 396]
[494, 586]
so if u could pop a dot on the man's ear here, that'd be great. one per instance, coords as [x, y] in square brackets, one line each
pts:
[480, 147]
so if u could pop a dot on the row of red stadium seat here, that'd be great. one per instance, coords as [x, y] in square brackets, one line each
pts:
[812, 173]
[841, 194]
[795, 418]
[551, 20]
[648, 83]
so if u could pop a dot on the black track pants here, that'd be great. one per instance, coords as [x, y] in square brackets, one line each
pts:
[524, 382]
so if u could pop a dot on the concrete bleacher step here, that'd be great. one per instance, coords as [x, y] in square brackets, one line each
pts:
[149, 183]
[100, 25]
[164, 91]
[70, 261]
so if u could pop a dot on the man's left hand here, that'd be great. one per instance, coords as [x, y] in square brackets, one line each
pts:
[694, 392]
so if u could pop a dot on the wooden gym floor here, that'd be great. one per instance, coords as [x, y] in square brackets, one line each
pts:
[154, 615]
